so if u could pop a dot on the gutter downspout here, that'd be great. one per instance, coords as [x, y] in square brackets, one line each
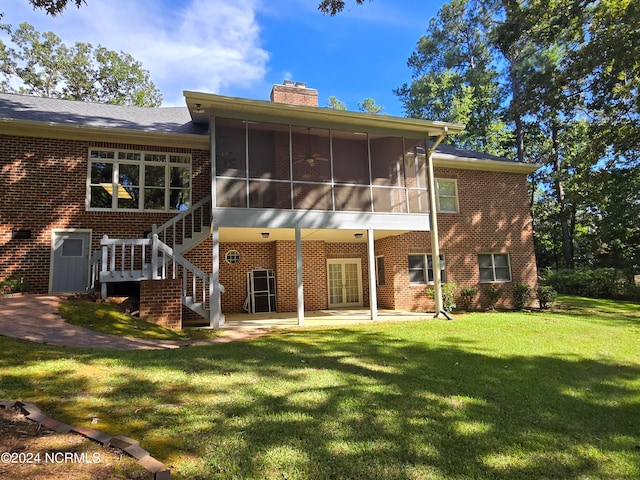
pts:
[433, 225]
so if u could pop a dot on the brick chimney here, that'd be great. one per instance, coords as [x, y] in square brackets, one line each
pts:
[294, 93]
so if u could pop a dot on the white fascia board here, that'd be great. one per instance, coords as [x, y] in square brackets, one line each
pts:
[211, 103]
[452, 161]
[272, 218]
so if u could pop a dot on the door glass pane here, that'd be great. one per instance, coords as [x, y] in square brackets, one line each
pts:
[72, 247]
[352, 291]
[335, 284]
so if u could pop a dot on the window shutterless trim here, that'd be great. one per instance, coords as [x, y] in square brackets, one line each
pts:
[455, 186]
[493, 268]
[170, 161]
[425, 269]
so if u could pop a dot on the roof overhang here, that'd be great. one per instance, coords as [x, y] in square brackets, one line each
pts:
[204, 105]
[29, 128]
[445, 160]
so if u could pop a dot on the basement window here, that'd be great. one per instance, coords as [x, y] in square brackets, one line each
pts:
[494, 267]
[421, 269]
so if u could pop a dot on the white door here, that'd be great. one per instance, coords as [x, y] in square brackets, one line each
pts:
[345, 282]
[70, 261]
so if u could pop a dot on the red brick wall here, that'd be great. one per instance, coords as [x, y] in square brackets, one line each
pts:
[234, 277]
[280, 256]
[161, 302]
[494, 218]
[42, 187]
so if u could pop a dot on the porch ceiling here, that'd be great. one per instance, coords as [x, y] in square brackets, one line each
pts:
[228, 234]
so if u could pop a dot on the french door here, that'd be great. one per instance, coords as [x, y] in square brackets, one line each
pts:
[345, 282]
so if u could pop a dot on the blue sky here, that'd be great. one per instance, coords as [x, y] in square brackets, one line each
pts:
[242, 47]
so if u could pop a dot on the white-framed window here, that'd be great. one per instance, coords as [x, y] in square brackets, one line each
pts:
[494, 267]
[380, 270]
[447, 195]
[232, 257]
[421, 268]
[131, 180]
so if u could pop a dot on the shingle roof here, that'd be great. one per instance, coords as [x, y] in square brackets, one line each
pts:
[443, 151]
[143, 119]
[67, 112]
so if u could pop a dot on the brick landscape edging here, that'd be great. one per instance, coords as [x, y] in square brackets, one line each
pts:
[127, 445]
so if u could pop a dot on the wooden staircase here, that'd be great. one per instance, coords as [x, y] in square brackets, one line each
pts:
[160, 256]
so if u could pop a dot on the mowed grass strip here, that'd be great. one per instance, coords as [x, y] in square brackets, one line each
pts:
[105, 317]
[490, 395]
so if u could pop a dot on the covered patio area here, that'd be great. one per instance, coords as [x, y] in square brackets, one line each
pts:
[321, 318]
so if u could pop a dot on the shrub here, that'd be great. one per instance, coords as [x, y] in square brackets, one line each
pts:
[598, 283]
[493, 293]
[521, 295]
[545, 295]
[12, 285]
[467, 294]
[448, 296]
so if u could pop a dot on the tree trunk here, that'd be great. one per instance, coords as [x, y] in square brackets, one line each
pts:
[567, 240]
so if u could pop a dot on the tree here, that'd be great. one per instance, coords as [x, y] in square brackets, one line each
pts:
[454, 78]
[54, 7]
[335, 104]
[40, 64]
[332, 7]
[566, 85]
[369, 105]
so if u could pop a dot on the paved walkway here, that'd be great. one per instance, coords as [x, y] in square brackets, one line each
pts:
[35, 318]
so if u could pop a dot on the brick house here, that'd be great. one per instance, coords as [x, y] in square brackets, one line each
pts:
[287, 206]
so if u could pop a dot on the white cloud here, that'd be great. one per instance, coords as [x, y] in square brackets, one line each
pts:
[204, 45]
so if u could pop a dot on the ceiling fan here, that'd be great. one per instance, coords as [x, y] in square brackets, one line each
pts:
[311, 158]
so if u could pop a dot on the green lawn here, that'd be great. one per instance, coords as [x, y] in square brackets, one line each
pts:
[107, 318]
[489, 395]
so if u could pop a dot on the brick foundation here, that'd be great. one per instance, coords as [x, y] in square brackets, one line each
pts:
[161, 302]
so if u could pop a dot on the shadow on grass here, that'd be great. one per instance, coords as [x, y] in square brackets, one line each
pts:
[615, 311]
[352, 403]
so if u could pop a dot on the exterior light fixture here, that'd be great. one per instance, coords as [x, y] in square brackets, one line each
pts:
[265, 234]
[199, 108]
[358, 235]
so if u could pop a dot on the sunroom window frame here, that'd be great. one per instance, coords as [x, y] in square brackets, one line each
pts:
[116, 162]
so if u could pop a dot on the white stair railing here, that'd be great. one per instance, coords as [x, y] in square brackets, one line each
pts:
[126, 260]
[187, 228]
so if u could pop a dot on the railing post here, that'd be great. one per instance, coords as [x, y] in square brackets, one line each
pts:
[154, 256]
[104, 265]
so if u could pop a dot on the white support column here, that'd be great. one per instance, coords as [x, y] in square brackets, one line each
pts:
[373, 291]
[433, 220]
[299, 277]
[214, 288]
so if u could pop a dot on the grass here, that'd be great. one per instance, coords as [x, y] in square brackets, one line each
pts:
[487, 396]
[107, 318]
